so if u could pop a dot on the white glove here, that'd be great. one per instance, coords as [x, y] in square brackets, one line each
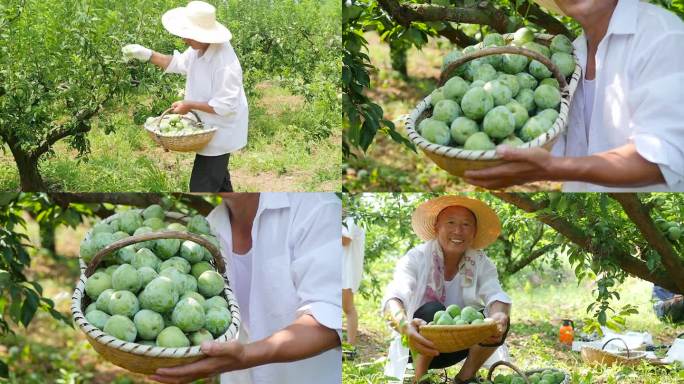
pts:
[136, 51]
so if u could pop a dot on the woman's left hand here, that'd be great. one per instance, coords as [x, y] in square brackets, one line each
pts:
[501, 320]
[221, 357]
[181, 107]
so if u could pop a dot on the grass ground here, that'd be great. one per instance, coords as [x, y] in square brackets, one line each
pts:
[389, 166]
[278, 157]
[533, 340]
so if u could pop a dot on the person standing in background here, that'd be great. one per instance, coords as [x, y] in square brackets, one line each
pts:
[353, 242]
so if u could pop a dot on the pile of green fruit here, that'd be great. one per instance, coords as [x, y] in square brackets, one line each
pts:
[671, 229]
[158, 292]
[498, 99]
[546, 377]
[454, 315]
[174, 125]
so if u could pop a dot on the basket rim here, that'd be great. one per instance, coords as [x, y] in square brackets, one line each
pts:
[525, 373]
[176, 216]
[459, 153]
[638, 354]
[146, 350]
[459, 326]
[203, 132]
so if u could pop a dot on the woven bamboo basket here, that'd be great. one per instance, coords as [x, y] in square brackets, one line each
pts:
[458, 160]
[452, 338]
[591, 355]
[143, 358]
[525, 374]
[185, 143]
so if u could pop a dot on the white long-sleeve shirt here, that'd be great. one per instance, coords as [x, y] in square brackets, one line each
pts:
[639, 88]
[296, 263]
[409, 283]
[216, 78]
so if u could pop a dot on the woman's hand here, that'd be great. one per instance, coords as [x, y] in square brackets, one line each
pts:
[221, 357]
[137, 52]
[522, 166]
[181, 107]
[501, 320]
[417, 342]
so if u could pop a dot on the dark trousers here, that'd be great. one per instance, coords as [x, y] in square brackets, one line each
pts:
[210, 174]
[670, 310]
[427, 312]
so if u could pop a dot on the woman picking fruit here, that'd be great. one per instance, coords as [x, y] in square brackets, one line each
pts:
[213, 88]
[625, 128]
[448, 269]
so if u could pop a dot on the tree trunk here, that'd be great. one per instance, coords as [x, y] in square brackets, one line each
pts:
[29, 175]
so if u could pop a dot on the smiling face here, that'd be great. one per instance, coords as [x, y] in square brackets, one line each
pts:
[456, 228]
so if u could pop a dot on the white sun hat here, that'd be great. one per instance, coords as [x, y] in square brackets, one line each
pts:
[488, 224]
[550, 5]
[196, 21]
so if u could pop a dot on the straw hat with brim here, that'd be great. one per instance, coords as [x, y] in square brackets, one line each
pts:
[488, 224]
[198, 22]
[550, 5]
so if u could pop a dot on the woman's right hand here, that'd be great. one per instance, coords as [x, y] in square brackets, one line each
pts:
[417, 342]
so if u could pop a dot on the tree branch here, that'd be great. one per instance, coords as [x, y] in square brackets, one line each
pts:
[66, 130]
[534, 255]
[457, 36]
[132, 199]
[533, 13]
[484, 13]
[639, 214]
[627, 262]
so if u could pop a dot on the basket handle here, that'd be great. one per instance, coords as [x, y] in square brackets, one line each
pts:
[115, 246]
[171, 109]
[446, 74]
[616, 338]
[509, 365]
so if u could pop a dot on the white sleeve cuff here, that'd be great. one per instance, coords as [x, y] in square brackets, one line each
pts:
[176, 65]
[221, 109]
[329, 315]
[660, 152]
[501, 296]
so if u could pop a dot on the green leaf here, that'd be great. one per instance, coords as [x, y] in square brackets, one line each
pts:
[71, 217]
[4, 369]
[28, 310]
[415, 36]
[602, 318]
